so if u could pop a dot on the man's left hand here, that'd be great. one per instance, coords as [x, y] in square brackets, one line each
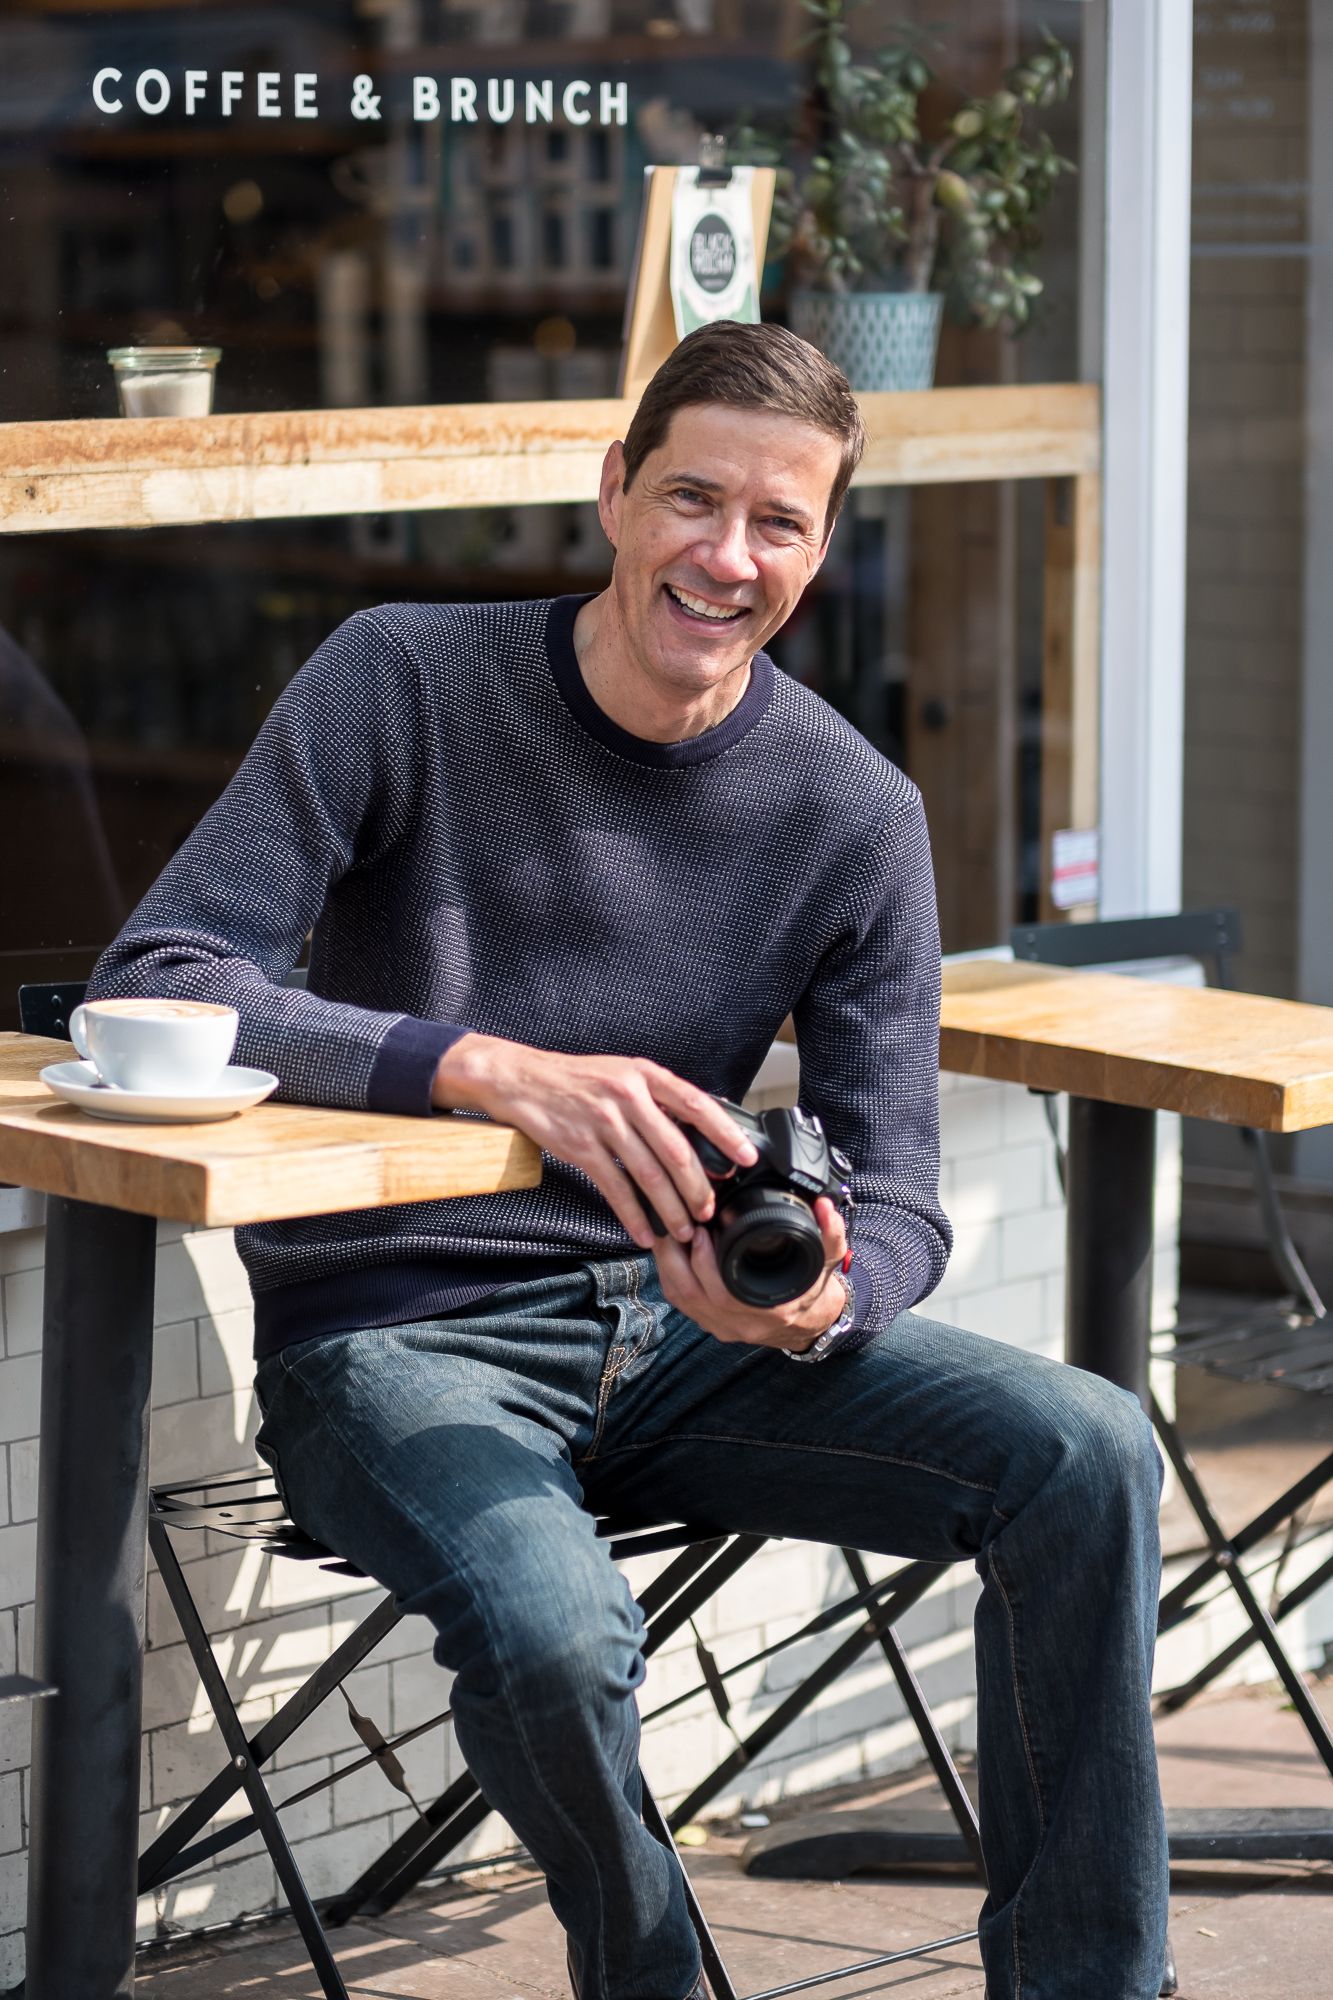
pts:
[692, 1282]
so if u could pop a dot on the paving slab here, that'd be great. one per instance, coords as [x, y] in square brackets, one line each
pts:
[1241, 1932]
[375, 1965]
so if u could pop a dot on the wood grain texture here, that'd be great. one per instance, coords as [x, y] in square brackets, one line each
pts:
[1235, 1058]
[121, 472]
[268, 1164]
[943, 435]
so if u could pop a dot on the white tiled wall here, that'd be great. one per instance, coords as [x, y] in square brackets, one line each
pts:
[275, 1621]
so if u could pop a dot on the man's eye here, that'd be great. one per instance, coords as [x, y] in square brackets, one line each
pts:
[781, 521]
[690, 494]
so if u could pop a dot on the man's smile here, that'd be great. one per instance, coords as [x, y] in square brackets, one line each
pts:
[699, 607]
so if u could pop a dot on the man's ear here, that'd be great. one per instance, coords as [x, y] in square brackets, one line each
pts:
[611, 491]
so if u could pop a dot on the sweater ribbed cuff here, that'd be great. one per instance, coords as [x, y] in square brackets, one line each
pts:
[406, 1063]
[887, 1279]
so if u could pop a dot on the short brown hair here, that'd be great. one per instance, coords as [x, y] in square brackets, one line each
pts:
[751, 368]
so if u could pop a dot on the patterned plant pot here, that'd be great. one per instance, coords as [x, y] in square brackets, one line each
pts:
[880, 340]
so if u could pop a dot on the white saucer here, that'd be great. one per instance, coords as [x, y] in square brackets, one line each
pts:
[78, 1083]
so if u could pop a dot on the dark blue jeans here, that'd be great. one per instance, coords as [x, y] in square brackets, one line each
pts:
[457, 1460]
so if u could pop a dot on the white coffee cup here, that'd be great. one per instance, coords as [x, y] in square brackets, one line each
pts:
[170, 1047]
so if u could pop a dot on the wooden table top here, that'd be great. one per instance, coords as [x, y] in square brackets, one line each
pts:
[1238, 1058]
[268, 1164]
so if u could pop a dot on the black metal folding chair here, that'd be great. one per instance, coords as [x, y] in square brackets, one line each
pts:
[1288, 1344]
[248, 1507]
[22, 1687]
[871, 1610]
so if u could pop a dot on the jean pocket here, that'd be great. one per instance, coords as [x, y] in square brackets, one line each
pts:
[264, 1442]
[270, 1457]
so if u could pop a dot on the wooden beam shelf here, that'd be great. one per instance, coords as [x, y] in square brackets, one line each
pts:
[165, 471]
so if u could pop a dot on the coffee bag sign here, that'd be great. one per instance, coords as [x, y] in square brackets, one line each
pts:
[713, 272]
[712, 255]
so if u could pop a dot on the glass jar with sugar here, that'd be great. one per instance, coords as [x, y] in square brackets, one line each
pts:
[164, 381]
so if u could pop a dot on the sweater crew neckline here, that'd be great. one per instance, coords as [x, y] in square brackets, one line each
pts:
[699, 749]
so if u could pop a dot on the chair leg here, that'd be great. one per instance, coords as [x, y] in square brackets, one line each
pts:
[946, 1771]
[1228, 1562]
[666, 1608]
[1176, 1603]
[1281, 1249]
[234, 1736]
[714, 1968]
[169, 1854]
[1177, 1698]
[912, 1583]
[405, 1862]
[668, 1602]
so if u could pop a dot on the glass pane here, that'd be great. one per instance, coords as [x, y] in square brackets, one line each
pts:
[244, 195]
[1252, 448]
[1259, 617]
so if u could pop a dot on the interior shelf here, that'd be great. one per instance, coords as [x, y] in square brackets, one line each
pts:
[287, 465]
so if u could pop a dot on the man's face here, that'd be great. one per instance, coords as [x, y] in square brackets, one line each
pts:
[718, 535]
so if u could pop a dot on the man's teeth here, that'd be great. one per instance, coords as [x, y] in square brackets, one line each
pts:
[703, 610]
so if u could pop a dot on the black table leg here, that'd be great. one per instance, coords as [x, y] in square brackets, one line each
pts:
[1108, 1296]
[92, 1523]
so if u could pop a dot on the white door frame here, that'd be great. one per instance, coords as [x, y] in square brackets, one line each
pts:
[1140, 337]
[1314, 933]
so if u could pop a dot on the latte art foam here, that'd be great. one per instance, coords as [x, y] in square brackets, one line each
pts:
[161, 1010]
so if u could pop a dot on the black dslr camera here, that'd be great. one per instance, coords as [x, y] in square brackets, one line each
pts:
[768, 1244]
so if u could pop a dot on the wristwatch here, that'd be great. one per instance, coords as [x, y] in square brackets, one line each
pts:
[825, 1343]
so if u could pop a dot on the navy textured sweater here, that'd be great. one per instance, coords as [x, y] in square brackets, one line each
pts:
[475, 844]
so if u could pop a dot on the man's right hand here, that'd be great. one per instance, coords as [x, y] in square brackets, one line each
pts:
[617, 1118]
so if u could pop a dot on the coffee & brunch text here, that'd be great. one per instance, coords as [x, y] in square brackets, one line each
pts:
[461, 100]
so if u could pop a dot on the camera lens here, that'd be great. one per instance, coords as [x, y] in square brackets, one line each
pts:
[769, 1248]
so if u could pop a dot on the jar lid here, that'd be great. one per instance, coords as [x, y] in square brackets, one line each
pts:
[164, 357]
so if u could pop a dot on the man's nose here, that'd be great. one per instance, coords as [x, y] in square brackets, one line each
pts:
[726, 553]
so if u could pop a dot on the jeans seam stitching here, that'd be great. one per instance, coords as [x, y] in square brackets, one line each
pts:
[822, 1451]
[618, 1360]
[641, 1307]
[615, 1360]
[1032, 1773]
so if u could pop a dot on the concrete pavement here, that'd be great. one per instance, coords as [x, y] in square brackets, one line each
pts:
[1240, 1932]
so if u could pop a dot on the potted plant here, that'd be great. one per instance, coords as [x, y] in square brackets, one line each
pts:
[887, 223]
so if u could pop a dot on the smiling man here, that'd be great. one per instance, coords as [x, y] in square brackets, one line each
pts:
[569, 865]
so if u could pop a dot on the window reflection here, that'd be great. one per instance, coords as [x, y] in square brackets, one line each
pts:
[61, 889]
[342, 263]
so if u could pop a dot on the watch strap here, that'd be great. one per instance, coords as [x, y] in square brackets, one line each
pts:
[832, 1337]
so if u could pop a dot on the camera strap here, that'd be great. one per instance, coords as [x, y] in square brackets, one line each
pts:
[847, 1209]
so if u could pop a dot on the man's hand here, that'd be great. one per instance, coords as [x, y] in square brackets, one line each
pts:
[692, 1282]
[613, 1116]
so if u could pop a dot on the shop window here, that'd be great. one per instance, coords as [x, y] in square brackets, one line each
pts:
[341, 260]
